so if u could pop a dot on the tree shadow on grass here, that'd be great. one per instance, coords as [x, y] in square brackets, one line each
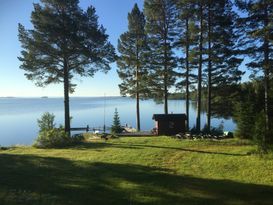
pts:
[189, 150]
[26, 179]
[101, 145]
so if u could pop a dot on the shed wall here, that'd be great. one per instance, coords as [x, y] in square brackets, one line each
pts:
[171, 127]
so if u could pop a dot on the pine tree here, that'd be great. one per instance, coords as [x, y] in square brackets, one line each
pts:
[161, 27]
[187, 39]
[64, 42]
[116, 127]
[248, 107]
[209, 79]
[196, 52]
[223, 62]
[201, 17]
[209, 43]
[256, 41]
[132, 46]
[245, 120]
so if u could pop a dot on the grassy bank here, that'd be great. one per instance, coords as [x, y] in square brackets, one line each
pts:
[157, 170]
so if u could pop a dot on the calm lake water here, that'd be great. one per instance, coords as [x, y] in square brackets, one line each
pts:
[18, 116]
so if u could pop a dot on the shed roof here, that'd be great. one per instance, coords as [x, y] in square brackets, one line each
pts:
[157, 117]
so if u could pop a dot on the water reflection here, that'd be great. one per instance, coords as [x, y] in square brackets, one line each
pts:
[18, 116]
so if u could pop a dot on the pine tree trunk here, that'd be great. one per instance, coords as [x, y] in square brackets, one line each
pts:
[266, 72]
[66, 98]
[165, 77]
[137, 100]
[137, 112]
[166, 99]
[187, 73]
[199, 95]
[209, 69]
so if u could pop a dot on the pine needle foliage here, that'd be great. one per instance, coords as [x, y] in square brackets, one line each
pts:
[116, 127]
[65, 41]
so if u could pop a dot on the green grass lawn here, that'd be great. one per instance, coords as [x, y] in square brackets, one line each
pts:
[129, 171]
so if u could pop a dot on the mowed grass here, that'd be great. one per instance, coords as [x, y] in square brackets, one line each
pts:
[145, 170]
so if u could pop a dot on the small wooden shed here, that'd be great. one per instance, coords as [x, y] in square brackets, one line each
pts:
[170, 124]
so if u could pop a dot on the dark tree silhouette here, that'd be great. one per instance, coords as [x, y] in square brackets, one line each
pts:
[256, 41]
[132, 47]
[161, 27]
[65, 41]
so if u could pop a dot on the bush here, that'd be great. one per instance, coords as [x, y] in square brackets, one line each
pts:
[46, 122]
[56, 138]
[216, 131]
[78, 138]
[51, 137]
[260, 134]
[194, 131]
[245, 119]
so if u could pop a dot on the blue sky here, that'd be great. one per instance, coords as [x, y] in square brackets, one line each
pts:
[112, 14]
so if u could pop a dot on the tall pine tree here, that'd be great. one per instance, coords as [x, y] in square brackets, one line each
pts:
[222, 60]
[132, 47]
[161, 27]
[201, 19]
[64, 42]
[187, 38]
[256, 41]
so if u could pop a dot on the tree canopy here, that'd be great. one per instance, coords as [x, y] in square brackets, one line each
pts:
[65, 41]
[161, 28]
[132, 62]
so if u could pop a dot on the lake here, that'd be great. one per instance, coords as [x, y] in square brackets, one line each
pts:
[18, 116]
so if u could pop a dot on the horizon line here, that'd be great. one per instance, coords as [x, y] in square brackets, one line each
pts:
[61, 96]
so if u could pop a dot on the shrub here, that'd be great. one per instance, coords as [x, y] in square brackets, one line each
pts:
[245, 119]
[260, 133]
[4, 148]
[194, 131]
[51, 137]
[78, 138]
[46, 122]
[56, 138]
[216, 131]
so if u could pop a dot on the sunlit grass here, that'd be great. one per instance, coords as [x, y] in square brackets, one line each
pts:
[144, 170]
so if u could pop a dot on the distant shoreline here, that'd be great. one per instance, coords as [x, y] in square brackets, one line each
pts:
[171, 97]
[48, 97]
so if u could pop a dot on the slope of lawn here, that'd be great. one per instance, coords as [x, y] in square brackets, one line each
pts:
[145, 170]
